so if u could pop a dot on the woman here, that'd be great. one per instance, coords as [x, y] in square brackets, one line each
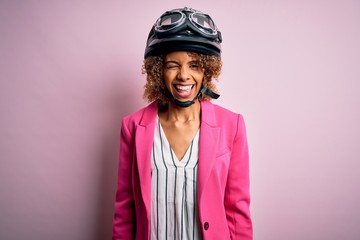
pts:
[183, 165]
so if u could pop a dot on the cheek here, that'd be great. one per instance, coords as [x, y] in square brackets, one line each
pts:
[200, 78]
[166, 77]
[200, 75]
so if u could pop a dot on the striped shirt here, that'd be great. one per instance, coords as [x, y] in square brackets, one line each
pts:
[174, 190]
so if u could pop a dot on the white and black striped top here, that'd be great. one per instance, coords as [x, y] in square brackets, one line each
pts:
[174, 190]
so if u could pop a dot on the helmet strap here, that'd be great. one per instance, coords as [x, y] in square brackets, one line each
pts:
[204, 90]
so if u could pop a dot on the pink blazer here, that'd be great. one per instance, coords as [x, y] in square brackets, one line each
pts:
[223, 175]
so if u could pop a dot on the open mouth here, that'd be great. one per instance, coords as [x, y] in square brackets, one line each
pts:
[184, 90]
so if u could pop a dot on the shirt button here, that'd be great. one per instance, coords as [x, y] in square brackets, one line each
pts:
[206, 225]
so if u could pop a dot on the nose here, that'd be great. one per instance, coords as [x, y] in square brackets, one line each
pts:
[183, 73]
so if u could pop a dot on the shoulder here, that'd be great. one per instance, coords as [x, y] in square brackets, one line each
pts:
[231, 123]
[143, 115]
[221, 110]
[221, 114]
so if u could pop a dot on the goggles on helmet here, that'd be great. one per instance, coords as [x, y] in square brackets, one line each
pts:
[184, 29]
[181, 19]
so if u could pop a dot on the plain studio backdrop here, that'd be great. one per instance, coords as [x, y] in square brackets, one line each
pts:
[70, 70]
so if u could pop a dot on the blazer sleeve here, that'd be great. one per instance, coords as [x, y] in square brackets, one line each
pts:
[237, 192]
[124, 216]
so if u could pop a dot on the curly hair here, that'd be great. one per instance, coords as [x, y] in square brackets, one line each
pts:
[155, 89]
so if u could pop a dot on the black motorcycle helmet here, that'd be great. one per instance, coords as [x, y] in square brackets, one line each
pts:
[184, 29]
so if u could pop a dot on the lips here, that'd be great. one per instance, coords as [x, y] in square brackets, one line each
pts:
[184, 91]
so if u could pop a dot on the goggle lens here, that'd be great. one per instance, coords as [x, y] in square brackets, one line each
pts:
[203, 20]
[171, 21]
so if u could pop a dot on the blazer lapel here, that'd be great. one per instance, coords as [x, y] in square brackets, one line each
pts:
[144, 138]
[209, 137]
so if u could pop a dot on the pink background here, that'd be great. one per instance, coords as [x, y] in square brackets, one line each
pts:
[70, 70]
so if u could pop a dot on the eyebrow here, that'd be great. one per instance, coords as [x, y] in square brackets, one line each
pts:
[176, 62]
[171, 61]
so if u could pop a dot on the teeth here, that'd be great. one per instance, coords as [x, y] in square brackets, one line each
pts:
[184, 88]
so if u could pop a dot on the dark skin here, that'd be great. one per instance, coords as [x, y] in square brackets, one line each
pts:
[183, 78]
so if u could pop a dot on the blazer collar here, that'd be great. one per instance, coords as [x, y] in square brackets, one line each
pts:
[208, 114]
[149, 114]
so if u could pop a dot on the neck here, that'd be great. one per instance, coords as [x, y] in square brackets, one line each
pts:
[179, 114]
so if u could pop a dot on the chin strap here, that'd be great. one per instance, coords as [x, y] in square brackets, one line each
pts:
[206, 91]
[203, 91]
